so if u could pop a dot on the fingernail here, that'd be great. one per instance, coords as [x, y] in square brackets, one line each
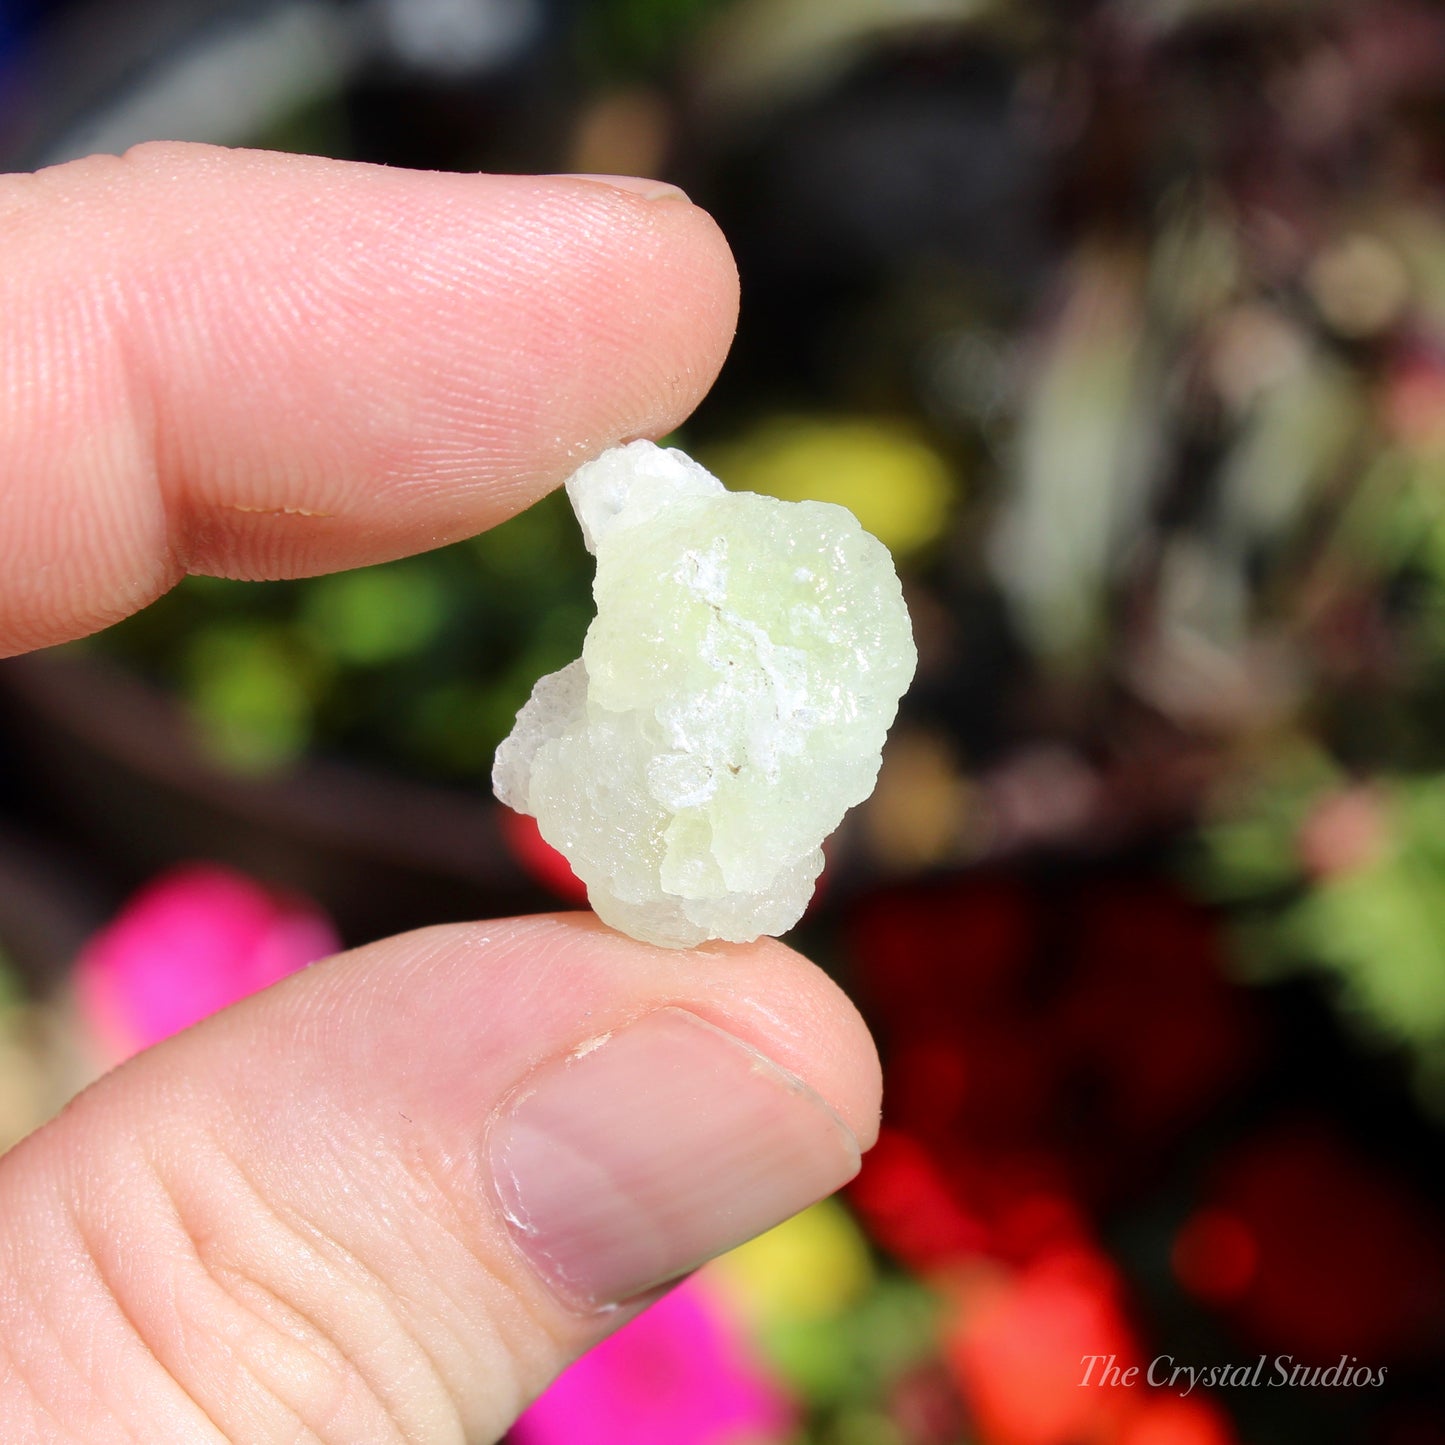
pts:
[641, 1156]
[649, 190]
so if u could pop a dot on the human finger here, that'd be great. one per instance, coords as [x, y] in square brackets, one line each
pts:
[259, 365]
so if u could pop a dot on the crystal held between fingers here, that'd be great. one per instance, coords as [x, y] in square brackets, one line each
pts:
[729, 706]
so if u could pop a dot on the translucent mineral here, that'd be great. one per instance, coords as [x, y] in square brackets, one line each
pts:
[729, 706]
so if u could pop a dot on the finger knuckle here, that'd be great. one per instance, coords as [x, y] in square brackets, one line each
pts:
[251, 1320]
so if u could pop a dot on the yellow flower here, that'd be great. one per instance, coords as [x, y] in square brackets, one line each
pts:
[897, 486]
[810, 1268]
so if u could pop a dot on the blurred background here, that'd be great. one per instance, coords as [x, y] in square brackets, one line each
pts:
[1122, 323]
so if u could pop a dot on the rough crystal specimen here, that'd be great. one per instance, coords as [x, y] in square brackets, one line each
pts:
[729, 706]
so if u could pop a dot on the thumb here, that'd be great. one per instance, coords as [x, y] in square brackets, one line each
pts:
[391, 1197]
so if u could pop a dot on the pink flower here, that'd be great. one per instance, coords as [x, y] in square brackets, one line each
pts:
[195, 939]
[679, 1374]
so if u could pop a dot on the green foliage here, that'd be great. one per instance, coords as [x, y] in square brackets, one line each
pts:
[377, 615]
[854, 1357]
[631, 39]
[1349, 883]
[252, 690]
[419, 664]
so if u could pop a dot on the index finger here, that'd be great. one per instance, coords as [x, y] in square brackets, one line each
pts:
[257, 365]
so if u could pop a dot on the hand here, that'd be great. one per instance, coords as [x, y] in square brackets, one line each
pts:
[388, 1199]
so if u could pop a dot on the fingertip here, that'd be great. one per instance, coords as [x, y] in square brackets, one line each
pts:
[579, 978]
[765, 993]
[281, 365]
[456, 1157]
[804, 1020]
[465, 343]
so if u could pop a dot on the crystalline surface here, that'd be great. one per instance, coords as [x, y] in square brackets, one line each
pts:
[729, 706]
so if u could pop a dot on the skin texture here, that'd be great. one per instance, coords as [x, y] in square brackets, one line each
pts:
[280, 1226]
[262, 366]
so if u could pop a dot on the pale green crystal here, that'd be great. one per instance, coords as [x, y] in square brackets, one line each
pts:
[729, 706]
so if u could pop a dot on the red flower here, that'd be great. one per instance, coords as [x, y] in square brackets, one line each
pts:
[539, 859]
[1021, 1342]
[1348, 1259]
[1045, 1355]
[1040, 1048]
[911, 1207]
